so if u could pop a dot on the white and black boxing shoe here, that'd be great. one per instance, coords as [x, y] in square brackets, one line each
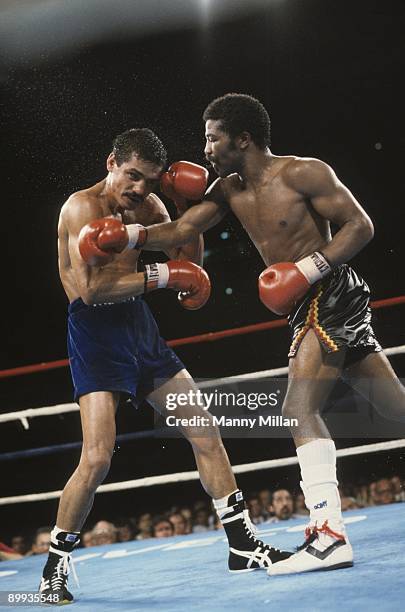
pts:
[53, 586]
[323, 549]
[246, 552]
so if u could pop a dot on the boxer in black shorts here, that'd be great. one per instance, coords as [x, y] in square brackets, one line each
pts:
[115, 347]
[287, 204]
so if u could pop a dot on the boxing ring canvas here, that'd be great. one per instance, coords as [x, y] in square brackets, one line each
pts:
[189, 572]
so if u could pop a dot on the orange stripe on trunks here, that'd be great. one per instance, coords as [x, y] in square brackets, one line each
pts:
[312, 321]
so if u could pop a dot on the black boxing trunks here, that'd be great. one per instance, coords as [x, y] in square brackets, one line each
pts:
[117, 347]
[337, 309]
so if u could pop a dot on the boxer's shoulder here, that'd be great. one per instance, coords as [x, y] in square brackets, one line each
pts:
[157, 208]
[222, 189]
[89, 197]
[301, 172]
[82, 206]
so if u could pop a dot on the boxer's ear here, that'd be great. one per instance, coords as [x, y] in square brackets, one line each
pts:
[111, 162]
[243, 140]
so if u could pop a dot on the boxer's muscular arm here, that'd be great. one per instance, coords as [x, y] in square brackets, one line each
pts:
[333, 201]
[191, 224]
[95, 285]
[191, 251]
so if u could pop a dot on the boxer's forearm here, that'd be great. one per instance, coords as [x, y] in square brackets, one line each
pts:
[351, 238]
[164, 236]
[193, 251]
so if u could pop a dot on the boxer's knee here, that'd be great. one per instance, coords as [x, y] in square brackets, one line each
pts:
[205, 439]
[299, 410]
[207, 445]
[95, 464]
[289, 410]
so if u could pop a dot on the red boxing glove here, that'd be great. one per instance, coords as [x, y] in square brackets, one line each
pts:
[184, 181]
[283, 284]
[101, 239]
[189, 279]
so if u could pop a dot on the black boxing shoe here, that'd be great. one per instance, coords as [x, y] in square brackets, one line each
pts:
[53, 587]
[246, 552]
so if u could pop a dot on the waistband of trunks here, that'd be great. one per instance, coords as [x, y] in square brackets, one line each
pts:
[78, 303]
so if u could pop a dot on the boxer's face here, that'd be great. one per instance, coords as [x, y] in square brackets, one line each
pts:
[132, 181]
[221, 150]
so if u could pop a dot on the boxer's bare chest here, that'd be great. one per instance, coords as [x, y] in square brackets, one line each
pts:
[275, 216]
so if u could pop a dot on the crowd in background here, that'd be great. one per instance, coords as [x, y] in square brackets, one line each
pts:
[265, 507]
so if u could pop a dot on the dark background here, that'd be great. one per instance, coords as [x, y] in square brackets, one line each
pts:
[330, 75]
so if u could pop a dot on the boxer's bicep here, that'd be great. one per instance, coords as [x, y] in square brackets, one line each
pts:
[330, 198]
[335, 202]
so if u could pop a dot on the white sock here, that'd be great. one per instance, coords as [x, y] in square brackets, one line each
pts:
[221, 504]
[317, 461]
[71, 536]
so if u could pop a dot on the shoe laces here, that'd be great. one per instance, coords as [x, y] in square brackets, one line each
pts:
[250, 528]
[312, 533]
[252, 531]
[61, 572]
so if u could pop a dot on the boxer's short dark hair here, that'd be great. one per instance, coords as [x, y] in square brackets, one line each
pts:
[142, 142]
[241, 113]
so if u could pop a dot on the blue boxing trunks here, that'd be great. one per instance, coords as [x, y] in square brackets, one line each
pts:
[117, 347]
[337, 309]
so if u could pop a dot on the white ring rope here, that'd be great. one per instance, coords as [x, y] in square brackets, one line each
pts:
[24, 415]
[242, 468]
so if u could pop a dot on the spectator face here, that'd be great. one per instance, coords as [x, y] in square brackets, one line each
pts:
[300, 507]
[124, 533]
[282, 504]
[265, 497]
[19, 545]
[186, 512]
[145, 524]
[383, 492]
[163, 529]
[396, 483]
[255, 507]
[41, 543]
[87, 539]
[201, 518]
[179, 524]
[104, 533]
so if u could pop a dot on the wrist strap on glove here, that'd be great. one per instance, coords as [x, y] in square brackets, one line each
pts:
[314, 267]
[156, 276]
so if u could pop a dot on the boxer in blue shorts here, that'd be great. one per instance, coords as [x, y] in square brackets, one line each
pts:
[127, 358]
[115, 346]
